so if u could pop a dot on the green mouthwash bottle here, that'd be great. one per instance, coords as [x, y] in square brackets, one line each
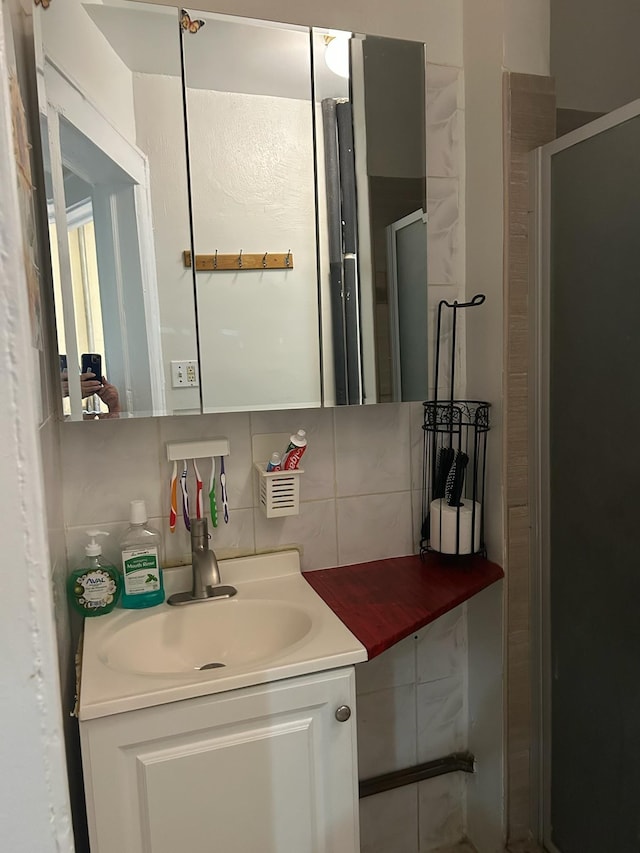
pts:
[141, 550]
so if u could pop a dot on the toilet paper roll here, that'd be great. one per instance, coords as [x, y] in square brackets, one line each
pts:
[444, 527]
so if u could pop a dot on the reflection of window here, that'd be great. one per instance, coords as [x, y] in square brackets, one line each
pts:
[86, 290]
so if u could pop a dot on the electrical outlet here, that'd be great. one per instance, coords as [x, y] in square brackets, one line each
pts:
[184, 374]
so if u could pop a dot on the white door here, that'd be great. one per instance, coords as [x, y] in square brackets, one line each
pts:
[262, 770]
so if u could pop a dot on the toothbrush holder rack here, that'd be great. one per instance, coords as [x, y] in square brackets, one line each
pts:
[278, 491]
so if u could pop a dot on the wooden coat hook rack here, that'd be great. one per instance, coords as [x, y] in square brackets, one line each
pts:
[240, 262]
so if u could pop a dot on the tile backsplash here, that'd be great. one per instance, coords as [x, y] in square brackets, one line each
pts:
[412, 708]
[356, 492]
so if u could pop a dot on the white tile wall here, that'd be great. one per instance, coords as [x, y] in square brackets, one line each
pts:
[106, 464]
[414, 696]
[441, 719]
[443, 230]
[355, 492]
[389, 821]
[444, 96]
[393, 668]
[313, 531]
[387, 732]
[441, 811]
[442, 647]
[445, 204]
[381, 435]
[373, 527]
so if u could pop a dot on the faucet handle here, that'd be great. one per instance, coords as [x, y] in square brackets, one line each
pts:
[199, 531]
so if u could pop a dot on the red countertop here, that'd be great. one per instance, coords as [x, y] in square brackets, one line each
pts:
[386, 600]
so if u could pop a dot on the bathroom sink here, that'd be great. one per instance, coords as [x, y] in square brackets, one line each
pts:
[211, 635]
[275, 627]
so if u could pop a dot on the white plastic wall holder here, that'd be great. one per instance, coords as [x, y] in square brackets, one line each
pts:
[279, 491]
[177, 450]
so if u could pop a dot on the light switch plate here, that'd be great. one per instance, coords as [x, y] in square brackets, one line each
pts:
[184, 374]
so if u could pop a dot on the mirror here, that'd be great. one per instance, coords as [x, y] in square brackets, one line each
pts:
[112, 118]
[251, 153]
[370, 106]
[236, 211]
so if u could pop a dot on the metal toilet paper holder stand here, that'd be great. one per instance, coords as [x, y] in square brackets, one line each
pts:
[454, 456]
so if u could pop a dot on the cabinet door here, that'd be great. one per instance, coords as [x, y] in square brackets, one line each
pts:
[261, 770]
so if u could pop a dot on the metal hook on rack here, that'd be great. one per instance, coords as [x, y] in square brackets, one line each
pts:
[478, 299]
[240, 260]
[287, 260]
[215, 261]
[264, 261]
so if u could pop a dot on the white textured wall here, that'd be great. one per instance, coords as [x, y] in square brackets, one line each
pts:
[160, 134]
[436, 21]
[253, 189]
[34, 803]
[73, 42]
[527, 35]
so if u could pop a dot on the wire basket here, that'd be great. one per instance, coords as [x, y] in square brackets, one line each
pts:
[455, 454]
[455, 460]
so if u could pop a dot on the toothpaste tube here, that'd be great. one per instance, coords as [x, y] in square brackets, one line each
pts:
[293, 453]
[275, 463]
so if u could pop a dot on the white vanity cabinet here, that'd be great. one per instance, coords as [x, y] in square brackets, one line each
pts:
[266, 769]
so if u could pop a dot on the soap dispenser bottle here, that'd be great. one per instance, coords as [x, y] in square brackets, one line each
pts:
[141, 550]
[94, 588]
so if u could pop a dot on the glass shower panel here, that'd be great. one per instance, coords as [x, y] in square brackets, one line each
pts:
[595, 494]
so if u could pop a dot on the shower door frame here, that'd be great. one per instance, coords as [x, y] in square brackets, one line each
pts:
[539, 461]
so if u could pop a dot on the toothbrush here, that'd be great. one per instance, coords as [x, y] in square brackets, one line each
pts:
[455, 480]
[212, 493]
[223, 491]
[198, 490]
[446, 456]
[173, 514]
[185, 496]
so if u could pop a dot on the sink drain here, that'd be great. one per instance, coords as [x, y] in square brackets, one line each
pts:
[213, 665]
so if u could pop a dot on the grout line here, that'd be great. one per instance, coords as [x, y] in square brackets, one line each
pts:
[375, 494]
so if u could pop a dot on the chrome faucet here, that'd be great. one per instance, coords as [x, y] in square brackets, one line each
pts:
[203, 560]
[206, 573]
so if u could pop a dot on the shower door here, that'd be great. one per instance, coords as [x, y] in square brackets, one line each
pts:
[588, 508]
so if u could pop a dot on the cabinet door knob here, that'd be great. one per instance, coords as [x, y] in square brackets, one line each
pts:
[343, 713]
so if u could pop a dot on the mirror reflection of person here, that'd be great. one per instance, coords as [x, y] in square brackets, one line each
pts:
[90, 385]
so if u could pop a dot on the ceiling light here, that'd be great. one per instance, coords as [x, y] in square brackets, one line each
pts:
[337, 53]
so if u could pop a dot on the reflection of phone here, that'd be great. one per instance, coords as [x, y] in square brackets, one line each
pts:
[92, 363]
